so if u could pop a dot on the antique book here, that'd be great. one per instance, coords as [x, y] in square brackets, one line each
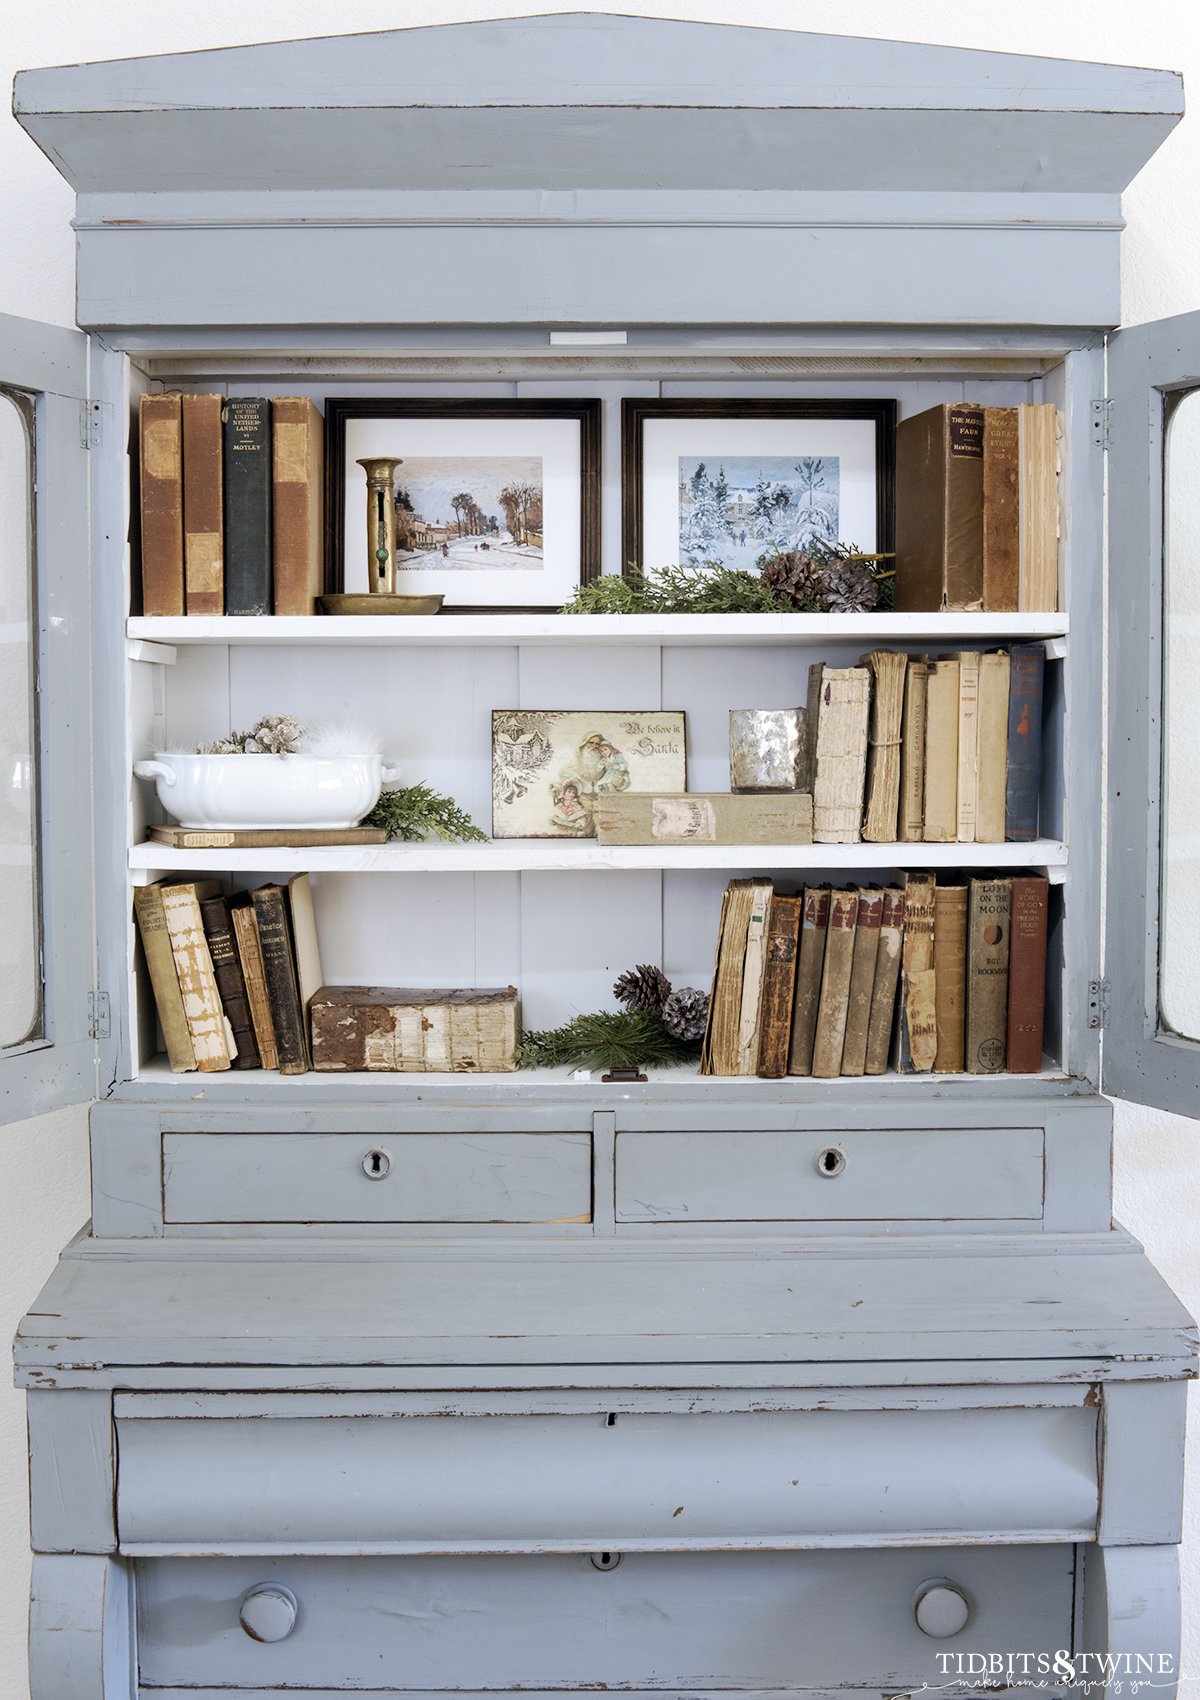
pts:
[297, 504]
[968, 745]
[245, 936]
[778, 987]
[752, 977]
[941, 752]
[164, 980]
[939, 509]
[1023, 787]
[950, 976]
[1001, 510]
[720, 1054]
[279, 971]
[309, 977]
[840, 713]
[212, 1037]
[912, 751]
[862, 980]
[247, 458]
[987, 975]
[705, 1065]
[810, 962]
[203, 505]
[887, 978]
[1038, 450]
[160, 464]
[881, 815]
[833, 1009]
[696, 817]
[993, 747]
[1027, 973]
[432, 1030]
[916, 1030]
[227, 969]
[273, 837]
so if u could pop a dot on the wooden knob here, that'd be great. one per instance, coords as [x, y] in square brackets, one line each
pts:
[941, 1610]
[268, 1612]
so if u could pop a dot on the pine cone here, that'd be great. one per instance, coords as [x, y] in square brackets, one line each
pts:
[850, 588]
[797, 576]
[643, 987]
[275, 735]
[685, 1014]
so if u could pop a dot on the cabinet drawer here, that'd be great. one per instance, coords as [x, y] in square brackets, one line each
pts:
[885, 1174]
[348, 1177]
[747, 1621]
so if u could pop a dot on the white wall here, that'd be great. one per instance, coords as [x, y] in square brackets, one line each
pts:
[43, 1177]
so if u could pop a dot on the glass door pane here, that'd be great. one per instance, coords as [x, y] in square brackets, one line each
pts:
[1179, 952]
[20, 936]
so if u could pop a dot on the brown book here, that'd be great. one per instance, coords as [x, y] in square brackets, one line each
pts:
[705, 1065]
[297, 493]
[279, 971]
[993, 748]
[912, 751]
[968, 745]
[887, 978]
[212, 1037]
[227, 969]
[779, 987]
[862, 981]
[1027, 973]
[917, 1026]
[987, 975]
[950, 976]
[1001, 510]
[881, 814]
[164, 980]
[725, 1005]
[1037, 431]
[833, 1009]
[941, 752]
[939, 509]
[245, 937]
[810, 963]
[203, 504]
[160, 449]
[840, 715]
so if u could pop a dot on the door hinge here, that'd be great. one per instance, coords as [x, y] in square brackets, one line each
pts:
[1097, 1002]
[98, 1019]
[1101, 422]
[89, 424]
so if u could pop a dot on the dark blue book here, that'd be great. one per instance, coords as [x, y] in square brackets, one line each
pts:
[1027, 666]
[247, 432]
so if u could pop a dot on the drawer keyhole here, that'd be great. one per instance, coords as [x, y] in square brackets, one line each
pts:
[605, 1560]
[377, 1163]
[830, 1162]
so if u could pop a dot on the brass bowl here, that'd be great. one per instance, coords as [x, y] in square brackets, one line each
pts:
[377, 602]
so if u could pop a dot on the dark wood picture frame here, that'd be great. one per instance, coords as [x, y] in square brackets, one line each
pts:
[339, 409]
[636, 410]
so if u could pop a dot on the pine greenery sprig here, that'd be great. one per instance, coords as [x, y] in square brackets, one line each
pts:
[711, 589]
[416, 812]
[608, 1039]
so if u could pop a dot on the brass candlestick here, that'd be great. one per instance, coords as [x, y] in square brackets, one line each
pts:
[381, 524]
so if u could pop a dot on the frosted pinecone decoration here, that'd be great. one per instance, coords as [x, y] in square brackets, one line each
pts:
[685, 1014]
[643, 987]
[274, 735]
[822, 584]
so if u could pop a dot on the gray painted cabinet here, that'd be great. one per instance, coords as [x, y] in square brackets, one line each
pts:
[631, 1386]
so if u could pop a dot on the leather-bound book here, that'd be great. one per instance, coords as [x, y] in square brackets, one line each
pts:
[941, 752]
[917, 1026]
[722, 1044]
[160, 464]
[833, 1009]
[862, 981]
[881, 812]
[887, 978]
[839, 703]
[227, 967]
[1027, 973]
[1023, 790]
[247, 427]
[968, 745]
[987, 975]
[993, 747]
[939, 509]
[245, 937]
[752, 977]
[164, 980]
[1037, 429]
[1001, 510]
[950, 976]
[212, 1036]
[779, 986]
[912, 751]
[203, 505]
[297, 514]
[810, 963]
[279, 970]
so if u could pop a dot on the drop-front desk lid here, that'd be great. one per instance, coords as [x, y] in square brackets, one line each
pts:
[150, 1314]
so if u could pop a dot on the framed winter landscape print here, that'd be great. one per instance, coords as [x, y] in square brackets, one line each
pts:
[730, 482]
[496, 503]
[551, 768]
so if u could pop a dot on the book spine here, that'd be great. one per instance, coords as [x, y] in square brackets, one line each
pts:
[708, 1042]
[912, 753]
[841, 760]
[247, 428]
[279, 971]
[160, 450]
[297, 460]
[964, 508]
[887, 978]
[862, 981]
[245, 935]
[993, 748]
[1027, 973]
[810, 962]
[779, 987]
[164, 980]
[1038, 428]
[756, 959]
[941, 753]
[1023, 789]
[1001, 510]
[950, 976]
[917, 1027]
[203, 505]
[231, 986]
[833, 1009]
[987, 975]
[197, 982]
[968, 747]
[881, 815]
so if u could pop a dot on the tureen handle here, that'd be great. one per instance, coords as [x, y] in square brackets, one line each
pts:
[154, 770]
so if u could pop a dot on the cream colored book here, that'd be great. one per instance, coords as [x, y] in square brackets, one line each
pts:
[839, 776]
[968, 745]
[993, 747]
[212, 1037]
[304, 938]
[941, 753]
[912, 751]
[752, 976]
[882, 812]
[696, 817]
[725, 1006]
[1038, 507]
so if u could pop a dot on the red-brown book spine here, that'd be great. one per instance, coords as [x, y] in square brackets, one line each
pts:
[779, 987]
[1027, 973]
[160, 450]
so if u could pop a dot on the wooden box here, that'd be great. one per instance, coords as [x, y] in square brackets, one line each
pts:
[428, 1030]
[713, 817]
